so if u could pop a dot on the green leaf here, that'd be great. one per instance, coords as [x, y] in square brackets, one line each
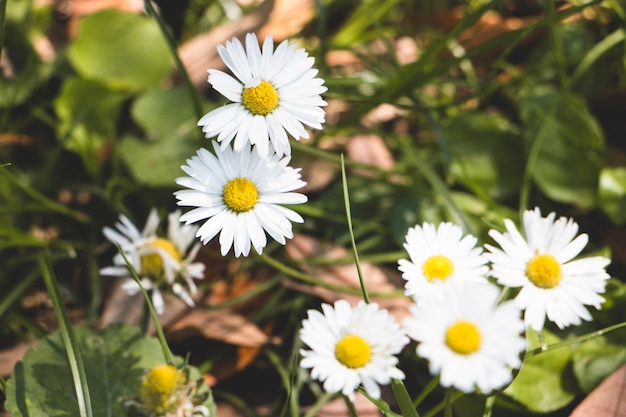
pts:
[568, 145]
[120, 49]
[596, 359]
[544, 383]
[115, 361]
[88, 112]
[167, 119]
[486, 154]
[612, 194]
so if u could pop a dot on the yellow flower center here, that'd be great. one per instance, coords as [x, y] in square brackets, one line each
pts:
[152, 263]
[544, 271]
[160, 386]
[437, 267]
[463, 337]
[262, 99]
[353, 351]
[240, 194]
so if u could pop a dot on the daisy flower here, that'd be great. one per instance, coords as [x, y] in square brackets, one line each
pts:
[275, 93]
[438, 255]
[162, 263]
[468, 340]
[540, 262]
[352, 346]
[240, 196]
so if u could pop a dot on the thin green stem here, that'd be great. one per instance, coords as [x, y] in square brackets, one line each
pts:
[197, 105]
[346, 200]
[43, 200]
[491, 400]
[167, 353]
[404, 399]
[321, 401]
[425, 391]
[74, 356]
[447, 411]
[558, 44]
[351, 407]
[3, 385]
[575, 340]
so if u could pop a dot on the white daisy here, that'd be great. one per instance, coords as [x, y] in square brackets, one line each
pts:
[540, 262]
[469, 341]
[438, 255]
[274, 93]
[352, 346]
[162, 263]
[240, 196]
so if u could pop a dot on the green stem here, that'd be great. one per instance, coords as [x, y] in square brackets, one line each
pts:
[558, 44]
[167, 353]
[43, 200]
[3, 385]
[74, 357]
[404, 400]
[197, 106]
[447, 411]
[346, 200]
[575, 340]
[350, 405]
[425, 391]
[321, 401]
[491, 400]
[3, 11]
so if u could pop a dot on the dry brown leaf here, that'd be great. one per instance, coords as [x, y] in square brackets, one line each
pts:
[377, 279]
[227, 410]
[9, 357]
[200, 53]
[287, 18]
[370, 149]
[75, 9]
[222, 325]
[607, 400]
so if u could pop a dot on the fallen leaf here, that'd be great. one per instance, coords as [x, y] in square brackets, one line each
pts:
[608, 399]
[287, 18]
[199, 54]
[338, 408]
[222, 325]
[75, 9]
[370, 149]
[227, 410]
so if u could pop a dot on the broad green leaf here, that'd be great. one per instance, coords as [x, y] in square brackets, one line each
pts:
[115, 361]
[568, 143]
[88, 112]
[544, 383]
[172, 137]
[123, 50]
[485, 154]
[612, 194]
[596, 359]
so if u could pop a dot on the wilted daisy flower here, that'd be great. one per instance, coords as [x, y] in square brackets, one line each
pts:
[167, 391]
[274, 93]
[469, 341]
[352, 346]
[240, 196]
[440, 254]
[162, 263]
[540, 262]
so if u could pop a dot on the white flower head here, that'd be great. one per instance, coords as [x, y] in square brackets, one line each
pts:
[162, 263]
[438, 255]
[540, 262]
[240, 195]
[352, 346]
[275, 93]
[470, 342]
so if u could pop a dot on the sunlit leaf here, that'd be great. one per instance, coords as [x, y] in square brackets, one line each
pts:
[612, 194]
[121, 49]
[570, 146]
[115, 361]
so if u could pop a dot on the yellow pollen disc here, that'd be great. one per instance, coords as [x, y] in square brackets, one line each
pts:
[463, 337]
[437, 267]
[152, 264]
[353, 351]
[262, 99]
[159, 385]
[240, 194]
[544, 271]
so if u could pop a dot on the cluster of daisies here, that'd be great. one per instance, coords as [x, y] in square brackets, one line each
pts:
[472, 338]
[238, 189]
[471, 335]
